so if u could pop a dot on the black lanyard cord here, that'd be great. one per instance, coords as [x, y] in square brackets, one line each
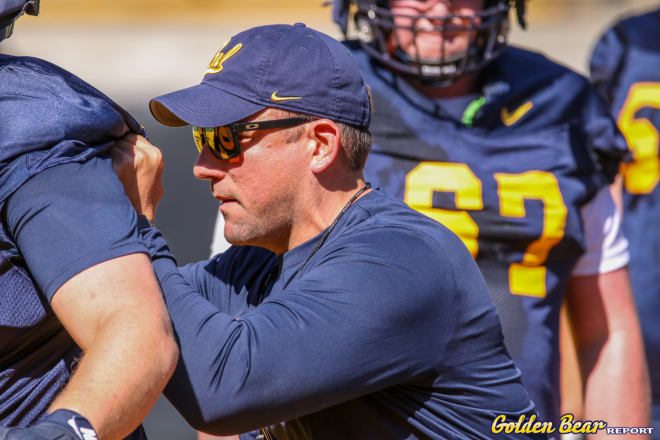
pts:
[333, 224]
[265, 432]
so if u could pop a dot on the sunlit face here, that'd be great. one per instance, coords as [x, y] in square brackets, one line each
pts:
[429, 43]
[257, 192]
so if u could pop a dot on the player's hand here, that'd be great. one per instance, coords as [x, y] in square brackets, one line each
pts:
[59, 425]
[139, 166]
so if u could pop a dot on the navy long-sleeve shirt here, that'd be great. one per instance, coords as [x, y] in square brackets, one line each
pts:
[387, 333]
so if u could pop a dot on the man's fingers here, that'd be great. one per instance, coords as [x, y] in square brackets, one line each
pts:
[122, 158]
[138, 151]
[131, 138]
[143, 152]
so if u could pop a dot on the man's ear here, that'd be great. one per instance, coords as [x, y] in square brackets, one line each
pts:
[324, 142]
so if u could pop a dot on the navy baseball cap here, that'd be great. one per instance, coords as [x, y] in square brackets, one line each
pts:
[293, 68]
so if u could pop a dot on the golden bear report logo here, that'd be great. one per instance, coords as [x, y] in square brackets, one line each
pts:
[567, 425]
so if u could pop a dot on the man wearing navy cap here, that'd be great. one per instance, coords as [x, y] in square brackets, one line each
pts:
[339, 312]
[74, 277]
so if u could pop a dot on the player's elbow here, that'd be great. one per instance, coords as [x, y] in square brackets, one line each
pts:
[202, 416]
[218, 413]
[169, 354]
[221, 426]
[201, 425]
[164, 346]
[228, 416]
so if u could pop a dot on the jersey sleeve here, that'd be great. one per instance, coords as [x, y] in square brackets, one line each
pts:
[282, 359]
[605, 62]
[71, 217]
[606, 247]
[603, 139]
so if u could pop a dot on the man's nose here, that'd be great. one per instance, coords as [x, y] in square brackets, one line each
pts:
[209, 167]
[438, 8]
[433, 14]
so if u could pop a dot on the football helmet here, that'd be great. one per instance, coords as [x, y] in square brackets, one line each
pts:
[10, 10]
[377, 28]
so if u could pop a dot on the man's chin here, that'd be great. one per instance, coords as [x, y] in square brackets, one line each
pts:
[235, 236]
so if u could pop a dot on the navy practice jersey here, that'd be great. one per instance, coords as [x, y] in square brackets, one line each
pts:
[539, 146]
[62, 210]
[625, 68]
[387, 332]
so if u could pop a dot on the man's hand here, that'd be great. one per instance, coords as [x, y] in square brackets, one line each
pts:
[139, 166]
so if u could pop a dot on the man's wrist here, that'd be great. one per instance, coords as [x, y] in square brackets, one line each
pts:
[144, 222]
[150, 215]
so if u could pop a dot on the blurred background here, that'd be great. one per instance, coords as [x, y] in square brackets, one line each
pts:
[133, 50]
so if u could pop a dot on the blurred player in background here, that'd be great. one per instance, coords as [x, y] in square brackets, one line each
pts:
[625, 68]
[514, 153]
[86, 341]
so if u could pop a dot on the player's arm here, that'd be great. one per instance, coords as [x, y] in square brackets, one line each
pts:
[78, 235]
[605, 324]
[114, 311]
[610, 349]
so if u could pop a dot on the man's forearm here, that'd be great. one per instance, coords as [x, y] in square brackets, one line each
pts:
[617, 388]
[610, 350]
[121, 375]
[115, 313]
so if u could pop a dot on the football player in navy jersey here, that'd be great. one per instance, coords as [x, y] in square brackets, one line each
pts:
[86, 342]
[625, 68]
[514, 153]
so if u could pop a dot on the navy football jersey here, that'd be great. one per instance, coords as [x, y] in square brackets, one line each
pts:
[62, 210]
[509, 180]
[625, 68]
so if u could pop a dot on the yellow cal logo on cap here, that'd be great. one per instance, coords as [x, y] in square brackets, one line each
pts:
[219, 58]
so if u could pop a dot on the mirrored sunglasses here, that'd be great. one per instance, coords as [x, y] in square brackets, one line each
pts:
[224, 141]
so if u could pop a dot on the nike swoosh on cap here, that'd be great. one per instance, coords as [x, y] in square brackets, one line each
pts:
[276, 98]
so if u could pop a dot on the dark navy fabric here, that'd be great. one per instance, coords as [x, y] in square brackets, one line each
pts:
[62, 210]
[512, 192]
[86, 205]
[50, 116]
[387, 333]
[60, 222]
[625, 67]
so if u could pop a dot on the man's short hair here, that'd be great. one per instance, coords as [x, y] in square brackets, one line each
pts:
[355, 140]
